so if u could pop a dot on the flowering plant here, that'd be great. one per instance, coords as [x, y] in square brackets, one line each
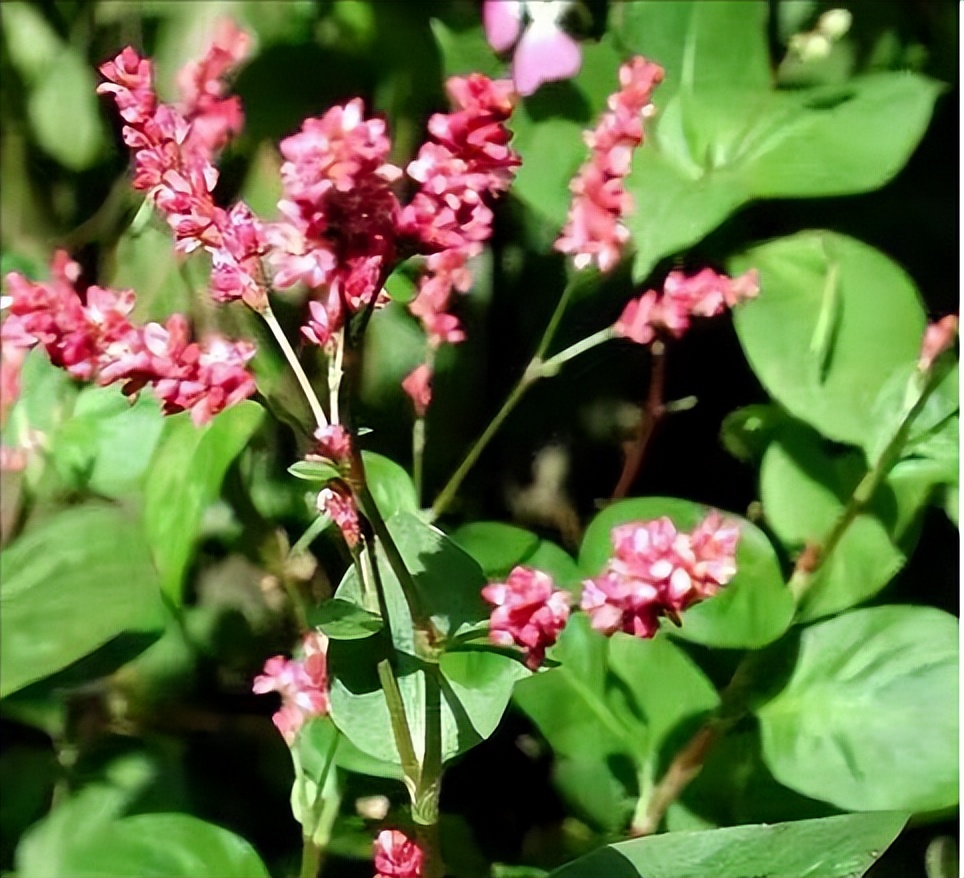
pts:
[363, 510]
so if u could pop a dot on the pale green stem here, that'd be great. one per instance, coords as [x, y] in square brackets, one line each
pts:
[537, 369]
[418, 455]
[293, 361]
[400, 728]
[335, 372]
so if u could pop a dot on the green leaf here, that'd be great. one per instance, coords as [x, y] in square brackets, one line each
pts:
[390, 485]
[314, 471]
[804, 489]
[107, 443]
[869, 718]
[314, 740]
[609, 712]
[471, 689]
[746, 432]
[70, 585]
[83, 839]
[64, 112]
[496, 546]
[342, 620]
[752, 610]
[877, 301]
[185, 477]
[831, 847]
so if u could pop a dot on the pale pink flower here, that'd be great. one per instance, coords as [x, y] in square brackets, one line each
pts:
[545, 52]
[397, 856]
[594, 231]
[333, 442]
[938, 337]
[338, 504]
[655, 571]
[705, 294]
[302, 684]
[418, 386]
[529, 612]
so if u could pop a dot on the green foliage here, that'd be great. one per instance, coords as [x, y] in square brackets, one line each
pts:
[868, 719]
[185, 477]
[877, 300]
[471, 689]
[609, 711]
[751, 611]
[71, 584]
[835, 847]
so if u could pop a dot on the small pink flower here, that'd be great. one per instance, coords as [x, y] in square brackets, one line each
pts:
[655, 570]
[338, 505]
[594, 231]
[418, 386]
[397, 856]
[529, 612]
[545, 52]
[938, 338]
[705, 294]
[333, 443]
[302, 684]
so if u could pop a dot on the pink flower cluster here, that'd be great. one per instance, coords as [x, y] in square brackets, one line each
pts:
[594, 231]
[467, 161]
[302, 684]
[529, 612]
[658, 571]
[333, 443]
[938, 337]
[705, 294]
[173, 160]
[337, 503]
[340, 213]
[397, 856]
[93, 339]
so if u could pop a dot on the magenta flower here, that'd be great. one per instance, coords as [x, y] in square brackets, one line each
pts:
[302, 684]
[337, 503]
[705, 294]
[333, 442]
[397, 856]
[938, 337]
[594, 231]
[655, 571]
[529, 612]
[418, 386]
[544, 52]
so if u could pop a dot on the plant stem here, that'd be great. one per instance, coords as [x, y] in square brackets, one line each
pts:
[400, 728]
[734, 703]
[310, 858]
[531, 374]
[418, 455]
[653, 413]
[551, 366]
[425, 807]
[293, 361]
[335, 371]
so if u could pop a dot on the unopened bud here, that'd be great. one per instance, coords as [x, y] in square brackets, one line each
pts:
[938, 337]
[835, 23]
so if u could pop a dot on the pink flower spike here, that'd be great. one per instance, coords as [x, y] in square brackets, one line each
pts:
[334, 443]
[938, 337]
[397, 856]
[418, 386]
[546, 53]
[339, 506]
[529, 612]
[502, 20]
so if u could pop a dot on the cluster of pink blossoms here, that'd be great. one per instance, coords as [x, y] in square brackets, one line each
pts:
[93, 339]
[302, 684]
[530, 612]
[938, 337]
[658, 571]
[594, 231]
[174, 148]
[397, 856]
[705, 294]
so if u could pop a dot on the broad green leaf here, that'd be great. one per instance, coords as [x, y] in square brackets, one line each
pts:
[751, 611]
[831, 847]
[471, 689]
[149, 845]
[869, 718]
[107, 443]
[746, 432]
[804, 488]
[185, 477]
[315, 738]
[65, 114]
[390, 485]
[314, 471]
[70, 585]
[609, 712]
[558, 563]
[877, 301]
[496, 546]
[343, 620]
